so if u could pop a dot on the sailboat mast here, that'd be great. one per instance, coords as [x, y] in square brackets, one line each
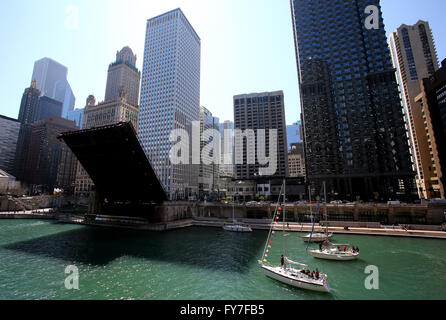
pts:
[325, 209]
[284, 215]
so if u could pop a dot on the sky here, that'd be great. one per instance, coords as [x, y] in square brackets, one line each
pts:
[247, 45]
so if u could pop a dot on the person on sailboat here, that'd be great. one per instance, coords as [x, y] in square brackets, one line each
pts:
[282, 262]
[317, 274]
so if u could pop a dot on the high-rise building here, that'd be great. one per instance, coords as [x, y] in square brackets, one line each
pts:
[77, 115]
[259, 111]
[48, 107]
[28, 106]
[27, 115]
[9, 135]
[43, 158]
[227, 148]
[354, 132]
[123, 75]
[414, 57]
[209, 174]
[294, 133]
[296, 160]
[431, 104]
[170, 97]
[51, 80]
[33, 108]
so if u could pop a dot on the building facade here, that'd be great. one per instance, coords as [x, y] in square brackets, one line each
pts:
[77, 116]
[43, 159]
[227, 148]
[431, 103]
[51, 80]
[414, 57]
[170, 98]
[259, 111]
[354, 131]
[27, 115]
[9, 135]
[209, 174]
[294, 133]
[123, 75]
[296, 160]
[121, 105]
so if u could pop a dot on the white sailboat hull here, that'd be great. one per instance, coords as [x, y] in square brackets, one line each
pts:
[338, 256]
[295, 279]
[317, 237]
[237, 228]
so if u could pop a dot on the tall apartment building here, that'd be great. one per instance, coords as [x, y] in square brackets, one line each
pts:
[260, 111]
[414, 57]
[170, 97]
[123, 75]
[431, 103]
[51, 80]
[296, 160]
[9, 135]
[354, 131]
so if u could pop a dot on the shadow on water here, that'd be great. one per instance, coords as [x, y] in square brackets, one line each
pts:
[211, 248]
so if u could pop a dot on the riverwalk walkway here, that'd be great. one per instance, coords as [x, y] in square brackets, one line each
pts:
[434, 232]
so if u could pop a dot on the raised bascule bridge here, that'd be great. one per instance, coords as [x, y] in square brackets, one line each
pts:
[124, 179]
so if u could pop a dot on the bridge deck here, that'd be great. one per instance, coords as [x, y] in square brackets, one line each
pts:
[117, 164]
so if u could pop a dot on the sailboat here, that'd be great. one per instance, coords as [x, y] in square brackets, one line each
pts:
[290, 272]
[338, 252]
[236, 227]
[331, 251]
[317, 237]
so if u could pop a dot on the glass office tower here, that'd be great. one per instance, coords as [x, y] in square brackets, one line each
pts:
[354, 132]
[170, 97]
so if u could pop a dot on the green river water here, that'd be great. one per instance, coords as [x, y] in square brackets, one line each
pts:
[201, 264]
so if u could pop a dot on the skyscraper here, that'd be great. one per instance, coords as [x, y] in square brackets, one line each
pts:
[51, 80]
[27, 115]
[414, 57]
[260, 111]
[44, 155]
[121, 105]
[432, 118]
[209, 170]
[9, 135]
[123, 75]
[294, 133]
[227, 148]
[354, 132]
[77, 116]
[170, 97]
